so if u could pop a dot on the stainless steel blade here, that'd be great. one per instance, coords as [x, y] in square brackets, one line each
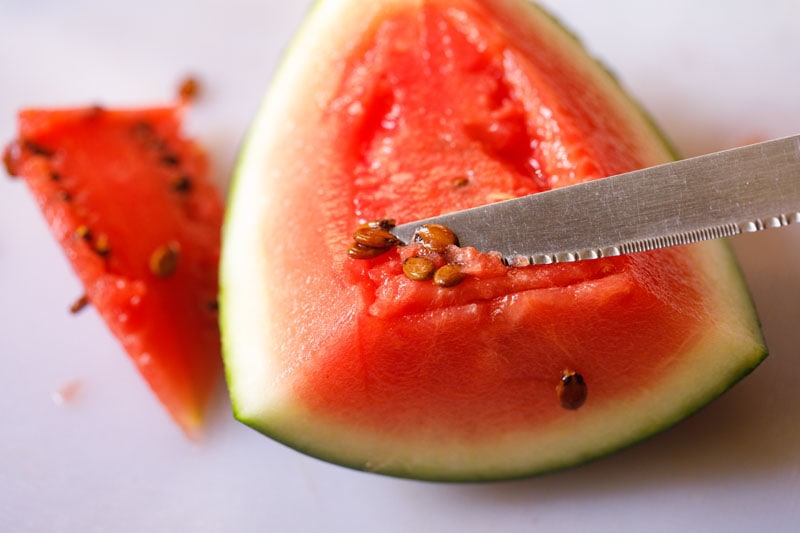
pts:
[711, 196]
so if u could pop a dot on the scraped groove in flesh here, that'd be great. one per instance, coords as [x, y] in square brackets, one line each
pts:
[478, 144]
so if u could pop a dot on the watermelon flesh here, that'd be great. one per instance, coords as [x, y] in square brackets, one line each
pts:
[130, 202]
[424, 108]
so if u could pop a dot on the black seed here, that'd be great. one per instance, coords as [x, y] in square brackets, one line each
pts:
[171, 160]
[182, 184]
[37, 149]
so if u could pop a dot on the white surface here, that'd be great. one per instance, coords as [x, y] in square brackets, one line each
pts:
[110, 460]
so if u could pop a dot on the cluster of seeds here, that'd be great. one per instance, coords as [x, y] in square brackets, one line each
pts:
[373, 238]
[164, 259]
[434, 238]
[180, 182]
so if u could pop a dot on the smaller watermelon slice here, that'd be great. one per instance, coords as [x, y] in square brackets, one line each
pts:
[130, 202]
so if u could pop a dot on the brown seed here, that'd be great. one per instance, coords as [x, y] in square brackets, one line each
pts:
[419, 268]
[448, 276]
[571, 390]
[435, 237]
[359, 251]
[11, 156]
[374, 237]
[101, 246]
[212, 305]
[83, 232]
[189, 89]
[79, 304]
[164, 260]
[64, 196]
[460, 182]
[382, 223]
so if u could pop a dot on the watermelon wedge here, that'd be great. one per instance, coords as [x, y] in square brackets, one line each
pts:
[401, 109]
[130, 202]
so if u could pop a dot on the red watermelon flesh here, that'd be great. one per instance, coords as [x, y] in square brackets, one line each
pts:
[421, 109]
[129, 200]
[510, 126]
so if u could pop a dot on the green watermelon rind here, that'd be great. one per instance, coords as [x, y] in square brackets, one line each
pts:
[292, 426]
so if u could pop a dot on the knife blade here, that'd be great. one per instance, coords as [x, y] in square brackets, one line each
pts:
[740, 190]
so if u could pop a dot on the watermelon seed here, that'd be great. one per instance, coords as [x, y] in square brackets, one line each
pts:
[170, 160]
[64, 196]
[359, 251]
[11, 157]
[37, 149]
[143, 131]
[435, 237]
[182, 184]
[460, 182]
[101, 246]
[374, 237]
[79, 304]
[383, 223]
[55, 176]
[212, 305]
[94, 111]
[164, 260]
[419, 268]
[189, 89]
[448, 276]
[83, 232]
[571, 390]
[499, 196]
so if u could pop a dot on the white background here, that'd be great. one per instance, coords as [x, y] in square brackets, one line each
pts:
[713, 73]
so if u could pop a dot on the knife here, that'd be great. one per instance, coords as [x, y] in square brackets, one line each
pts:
[726, 193]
